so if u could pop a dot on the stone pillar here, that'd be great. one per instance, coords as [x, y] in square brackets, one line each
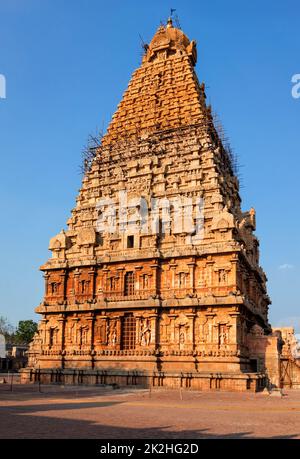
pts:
[104, 280]
[137, 286]
[90, 321]
[121, 280]
[209, 271]
[74, 335]
[102, 325]
[44, 331]
[190, 337]
[154, 269]
[46, 277]
[173, 275]
[76, 282]
[92, 281]
[118, 329]
[172, 318]
[47, 335]
[153, 327]
[61, 322]
[63, 284]
[211, 333]
[201, 331]
[233, 338]
[192, 275]
[138, 329]
[233, 274]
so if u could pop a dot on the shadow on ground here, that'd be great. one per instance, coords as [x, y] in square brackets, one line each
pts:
[20, 392]
[20, 422]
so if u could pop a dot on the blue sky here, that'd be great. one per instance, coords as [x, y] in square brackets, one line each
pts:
[66, 65]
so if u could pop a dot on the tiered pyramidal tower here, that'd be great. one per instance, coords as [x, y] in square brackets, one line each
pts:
[157, 278]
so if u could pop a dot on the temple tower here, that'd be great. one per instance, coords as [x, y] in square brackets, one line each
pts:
[157, 279]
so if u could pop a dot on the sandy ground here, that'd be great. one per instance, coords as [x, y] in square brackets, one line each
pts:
[101, 413]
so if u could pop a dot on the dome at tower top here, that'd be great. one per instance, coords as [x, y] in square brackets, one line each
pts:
[167, 41]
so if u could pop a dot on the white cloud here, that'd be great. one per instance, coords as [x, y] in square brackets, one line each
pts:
[286, 266]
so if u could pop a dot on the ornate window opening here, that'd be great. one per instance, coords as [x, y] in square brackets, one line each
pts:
[128, 332]
[129, 283]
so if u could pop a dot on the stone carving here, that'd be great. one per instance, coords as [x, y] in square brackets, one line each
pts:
[86, 236]
[59, 244]
[257, 330]
[223, 334]
[181, 335]
[112, 333]
[145, 333]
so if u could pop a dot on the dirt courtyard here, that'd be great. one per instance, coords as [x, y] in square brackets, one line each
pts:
[102, 413]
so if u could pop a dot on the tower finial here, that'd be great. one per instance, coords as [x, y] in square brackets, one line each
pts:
[170, 22]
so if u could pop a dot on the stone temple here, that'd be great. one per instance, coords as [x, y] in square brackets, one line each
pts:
[157, 279]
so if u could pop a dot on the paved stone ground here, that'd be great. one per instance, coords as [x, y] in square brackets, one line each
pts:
[89, 412]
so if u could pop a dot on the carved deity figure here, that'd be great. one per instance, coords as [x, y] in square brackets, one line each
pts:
[145, 333]
[112, 334]
[181, 337]
[223, 334]
[146, 282]
[114, 337]
[54, 288]
[222, 276]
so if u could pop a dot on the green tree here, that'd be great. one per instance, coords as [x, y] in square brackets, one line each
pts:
[25, 331]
